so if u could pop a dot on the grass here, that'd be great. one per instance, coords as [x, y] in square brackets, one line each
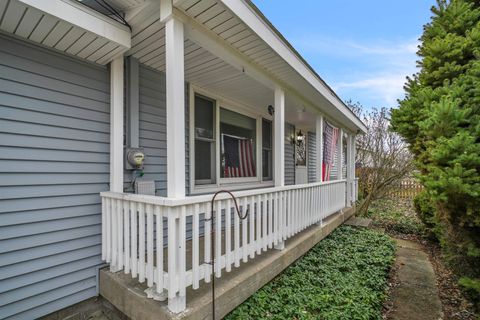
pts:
[396, 215]
[343, 277]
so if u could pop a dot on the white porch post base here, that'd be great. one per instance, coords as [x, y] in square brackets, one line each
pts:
[177, 304]
[153, 294]
[280, 246]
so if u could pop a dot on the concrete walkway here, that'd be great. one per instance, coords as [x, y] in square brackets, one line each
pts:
[416, 296]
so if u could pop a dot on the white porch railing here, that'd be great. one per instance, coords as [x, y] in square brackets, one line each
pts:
[355, 189]
[166, 242]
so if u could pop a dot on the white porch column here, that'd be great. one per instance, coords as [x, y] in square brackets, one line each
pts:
[175, 99]
[319, 145]
[116, 124]
[279, 145]
[350, 170]
[279, 139]
[339, 154]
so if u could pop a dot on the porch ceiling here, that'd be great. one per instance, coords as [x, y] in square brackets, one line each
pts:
[206, 68]
[66, 26]
[203, 68]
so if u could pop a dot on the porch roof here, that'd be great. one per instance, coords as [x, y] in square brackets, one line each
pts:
[233, 49]
[67, 26]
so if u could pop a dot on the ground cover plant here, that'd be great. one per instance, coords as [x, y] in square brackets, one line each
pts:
[396, 216]
[343, 277]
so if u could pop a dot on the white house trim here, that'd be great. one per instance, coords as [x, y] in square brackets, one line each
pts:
[243, 109]
[85, 18]
[116, 125]
[319, 146]
[279, 138]
[175, 101]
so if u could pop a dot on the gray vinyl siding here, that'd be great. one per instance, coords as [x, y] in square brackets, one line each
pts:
[312, 157]
[54, 161]
[289, 154]
[152, 135]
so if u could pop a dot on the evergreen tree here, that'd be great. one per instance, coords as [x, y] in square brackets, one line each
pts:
[440, 119]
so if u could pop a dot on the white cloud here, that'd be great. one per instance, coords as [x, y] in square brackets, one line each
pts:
[388, 87]
[375, 68]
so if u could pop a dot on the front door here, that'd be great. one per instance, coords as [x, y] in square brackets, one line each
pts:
[301, 171]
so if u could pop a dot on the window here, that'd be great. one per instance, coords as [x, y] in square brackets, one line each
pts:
[204, 140]
[228, 147]
[238, 141]
[267, 165]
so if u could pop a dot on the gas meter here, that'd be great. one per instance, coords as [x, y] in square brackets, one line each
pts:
[135, 158]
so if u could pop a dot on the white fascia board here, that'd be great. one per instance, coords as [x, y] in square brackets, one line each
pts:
[85, 18]
[247, 14]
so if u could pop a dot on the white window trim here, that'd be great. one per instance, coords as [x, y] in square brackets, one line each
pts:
[232, 183]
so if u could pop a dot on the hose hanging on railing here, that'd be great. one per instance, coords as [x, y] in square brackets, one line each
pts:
[212, 232]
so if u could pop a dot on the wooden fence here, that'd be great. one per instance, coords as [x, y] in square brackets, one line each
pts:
[406, 189]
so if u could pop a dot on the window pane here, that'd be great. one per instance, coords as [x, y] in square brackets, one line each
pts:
[266, 134]
[238, 141]
[204, 162]
[267, 165]
[204, 117]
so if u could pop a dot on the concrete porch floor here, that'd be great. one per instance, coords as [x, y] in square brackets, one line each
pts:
[128, 295]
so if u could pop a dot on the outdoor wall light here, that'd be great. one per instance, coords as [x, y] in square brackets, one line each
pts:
[300, 137]
[271, 110]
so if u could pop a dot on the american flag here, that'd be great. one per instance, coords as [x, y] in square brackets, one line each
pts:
[238, 153]
[330, 137]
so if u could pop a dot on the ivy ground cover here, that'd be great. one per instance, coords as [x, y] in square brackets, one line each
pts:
[343, 277]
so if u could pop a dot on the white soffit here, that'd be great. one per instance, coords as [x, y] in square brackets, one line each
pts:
[67, 26]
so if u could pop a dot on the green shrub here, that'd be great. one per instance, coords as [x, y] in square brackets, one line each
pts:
[440, 119]
[343, 277]
[425, 209]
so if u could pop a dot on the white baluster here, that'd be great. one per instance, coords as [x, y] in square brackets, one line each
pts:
[141, 243]
[104, 229]
[270, 220]
[228, 236]
[218, 238]
[207, 243]
[244, 232]
[172, 253]
[182, 248]
[149, 212]
[120, 235]
[108, 228]
[264, 223]
[195, 246]
[258, 225]
[251, 234]
[236, 231]
[159, 245]
[285, 216]
[113, 262]
[134, 241]
[126, 236]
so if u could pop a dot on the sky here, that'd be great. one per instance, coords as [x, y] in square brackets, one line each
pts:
[363, 49]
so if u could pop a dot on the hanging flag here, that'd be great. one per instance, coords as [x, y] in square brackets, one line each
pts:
[330, 137]
[238, 155]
